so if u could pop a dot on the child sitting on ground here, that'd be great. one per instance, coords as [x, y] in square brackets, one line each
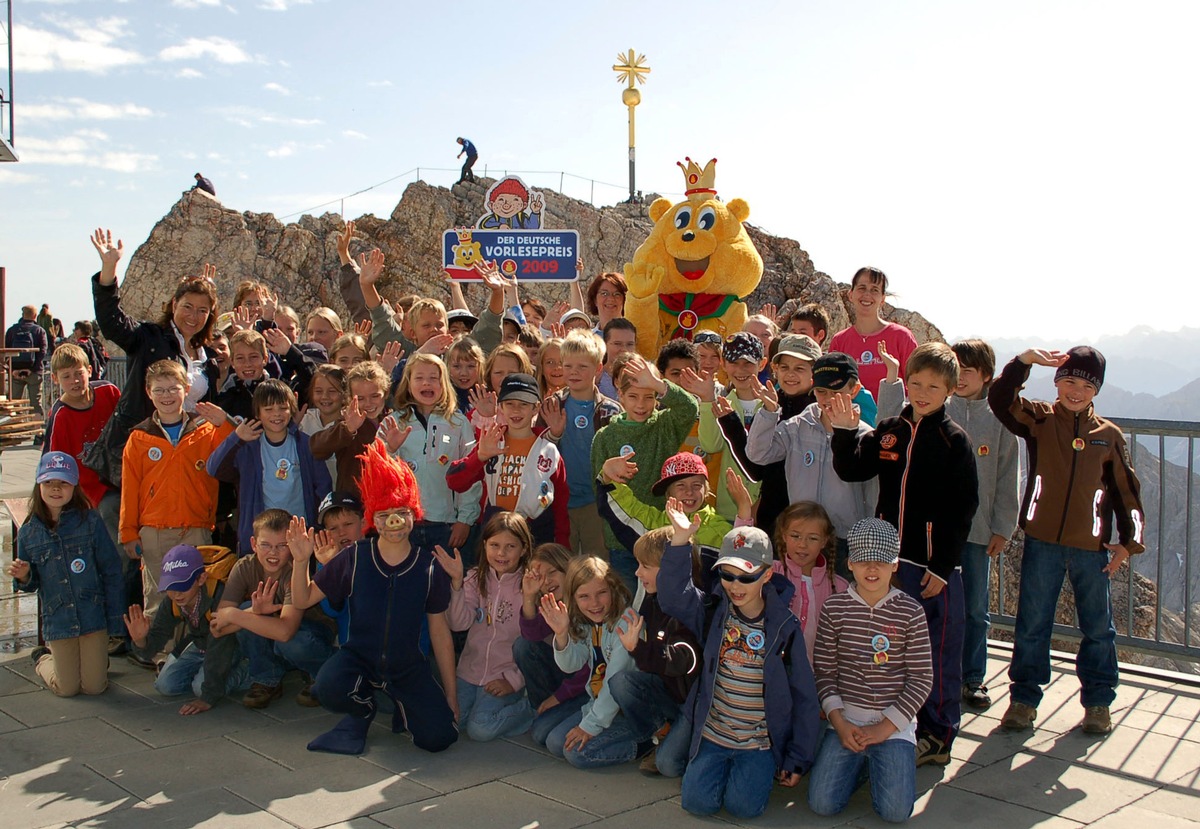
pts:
[491, 690]
[66, 556]
[874, 671]
[806, 546]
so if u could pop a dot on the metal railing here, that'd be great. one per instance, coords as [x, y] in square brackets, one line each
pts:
[1164, 457]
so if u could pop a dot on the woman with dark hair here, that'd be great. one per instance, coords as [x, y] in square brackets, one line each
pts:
[180, 334]
[606, 298]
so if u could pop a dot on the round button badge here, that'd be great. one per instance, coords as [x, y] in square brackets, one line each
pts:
[78, 566]
[581, 422]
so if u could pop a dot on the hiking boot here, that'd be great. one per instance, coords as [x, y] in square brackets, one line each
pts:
[932, 750]
[1018, 717]
[1097, 720]
[306, 697]
[37, 653]
[117, 645]
[141, 662]
[260, 696]
[976, 696]
[649, 766]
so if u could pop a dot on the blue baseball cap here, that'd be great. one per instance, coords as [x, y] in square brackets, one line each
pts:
[181, 566]
[58, 466]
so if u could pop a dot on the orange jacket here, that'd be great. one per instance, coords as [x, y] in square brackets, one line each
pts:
[168, 486]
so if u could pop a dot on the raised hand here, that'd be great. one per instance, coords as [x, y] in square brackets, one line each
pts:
[491, 442]
[363, 328]
[684, 527]
[277, 341]
[736, 488]
[18, 570]
[452, 563]
[324, 546]
[721, 407]
[631, 632]
[354, 418]
[343, 243]
[243, 319]
[557, 310]
[211, 412]
[249, 430]
[771, 311]
[767, 394]
[109, 254]
[208, 272]
[536, 203]
[390, 358]
[299, 541]
[137, 624]
[437, 344]
[370, 266]
[262, 600]
[482, 400]
[492, 276]
[393, 434]
[893, 365]
[843, 414]
[270, 305]
[643, 374]
[620, 469]
[558, 330]
[700, 384]
[531, 583]
[554, 416]
[555, 614]
[1042, 357]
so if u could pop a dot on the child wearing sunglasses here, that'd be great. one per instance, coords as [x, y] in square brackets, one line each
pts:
[755, 709]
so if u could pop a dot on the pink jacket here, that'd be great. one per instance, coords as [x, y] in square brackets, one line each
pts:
[491, 628]
[808, 608]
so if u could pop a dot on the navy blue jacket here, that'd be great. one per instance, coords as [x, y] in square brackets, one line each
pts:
[236, 461]
[789, 692]
[76, 569]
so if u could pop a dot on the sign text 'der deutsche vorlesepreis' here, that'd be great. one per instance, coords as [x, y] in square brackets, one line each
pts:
[545, 255]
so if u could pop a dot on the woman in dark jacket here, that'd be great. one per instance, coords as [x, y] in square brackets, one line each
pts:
[180, 335]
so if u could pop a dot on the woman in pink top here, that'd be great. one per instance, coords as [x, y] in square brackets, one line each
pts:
[487, 604]
[868, 290]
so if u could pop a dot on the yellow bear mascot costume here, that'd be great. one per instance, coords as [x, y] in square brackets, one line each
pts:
[692, 271]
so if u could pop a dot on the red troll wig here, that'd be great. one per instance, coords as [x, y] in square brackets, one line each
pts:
[386, 483]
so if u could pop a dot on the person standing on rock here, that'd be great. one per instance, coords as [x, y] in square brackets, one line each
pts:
[204, 184]
[472, 157]
[180, 334]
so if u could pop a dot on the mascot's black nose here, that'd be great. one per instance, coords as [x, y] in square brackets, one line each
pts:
[688, 236]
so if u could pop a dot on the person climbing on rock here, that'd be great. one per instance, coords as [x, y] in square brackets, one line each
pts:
[472, 157]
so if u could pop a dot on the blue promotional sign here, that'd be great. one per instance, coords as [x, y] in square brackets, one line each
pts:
[527, 255]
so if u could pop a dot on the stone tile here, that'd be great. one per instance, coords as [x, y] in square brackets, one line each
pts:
[788, 808]
[211, 810]
[497, 804]
[8, 724]
[1159, 723]
[79, 741]
[43, 708]
[287, 743]
[603, 792]
[1170, 801]
[1137, 816]
[12, 682]
[337, 791]
[60, 792]
[1189, 782]
[164, 774]
[948, 807]
[462, 765]
[1180, 701]
[668, 814]
[1053, 786]
[981, 741]
[1138, 754]
[162, 725]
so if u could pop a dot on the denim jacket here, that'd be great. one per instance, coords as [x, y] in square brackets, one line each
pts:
[76, 570]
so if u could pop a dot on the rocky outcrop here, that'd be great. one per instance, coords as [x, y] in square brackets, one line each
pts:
[299, 260]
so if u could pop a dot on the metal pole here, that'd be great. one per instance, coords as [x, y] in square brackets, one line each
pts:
[632, 154]
[10, 77]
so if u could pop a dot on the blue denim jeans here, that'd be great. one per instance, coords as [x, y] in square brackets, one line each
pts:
[976, 570]
[891, 766]
[739, 780]
[486, 717]
[647, 706]
[269, 660]
[185, 674]
[1043, 567]
[612, 746]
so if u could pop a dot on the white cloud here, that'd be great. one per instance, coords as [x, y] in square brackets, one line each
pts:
[73, 45]
[379, 83]
[10, 176]
[353, 134]
[189, 73]
[250, 117]
[194, 4]
[81, 109]
[276, 87]
[282, 5]
[220, 49]
[86, 148]
[290, 148]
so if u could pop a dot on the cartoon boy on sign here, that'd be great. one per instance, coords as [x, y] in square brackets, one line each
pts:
[512, 206]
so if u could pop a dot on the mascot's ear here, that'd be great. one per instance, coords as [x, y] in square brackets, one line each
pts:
[660, 208]
[738, 207]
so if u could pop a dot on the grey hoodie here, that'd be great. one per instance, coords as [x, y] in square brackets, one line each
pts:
[997, 455]
[803, 444]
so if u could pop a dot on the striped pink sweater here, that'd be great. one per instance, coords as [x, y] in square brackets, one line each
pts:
[874, 658]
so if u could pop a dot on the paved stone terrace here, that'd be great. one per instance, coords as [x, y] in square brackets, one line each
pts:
[127, 759]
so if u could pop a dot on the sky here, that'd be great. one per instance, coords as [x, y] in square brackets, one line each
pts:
[1017, 168]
